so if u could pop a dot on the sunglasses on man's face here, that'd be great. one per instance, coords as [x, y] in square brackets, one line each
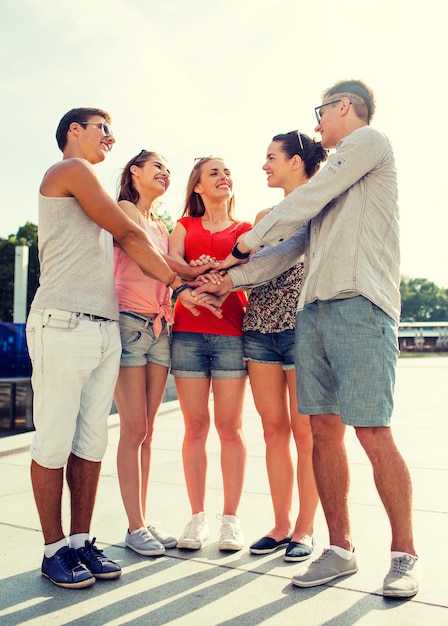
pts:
[103, 126]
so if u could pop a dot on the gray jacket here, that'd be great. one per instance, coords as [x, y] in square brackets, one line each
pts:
[344, 221]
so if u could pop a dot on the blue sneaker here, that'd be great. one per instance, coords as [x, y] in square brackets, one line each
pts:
[97, 562]
[65, 569]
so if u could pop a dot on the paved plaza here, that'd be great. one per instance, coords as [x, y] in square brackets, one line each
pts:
[210, 588]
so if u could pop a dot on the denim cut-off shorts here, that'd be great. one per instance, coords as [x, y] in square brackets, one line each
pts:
[271, 348]
[346, 355]
[202, 355]
[139, 344]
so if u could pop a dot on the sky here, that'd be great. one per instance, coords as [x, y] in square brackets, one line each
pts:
[190, 78]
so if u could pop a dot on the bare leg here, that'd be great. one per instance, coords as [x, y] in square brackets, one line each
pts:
[130, 398]
[193, 394]
[82, 479]
[47, 488]
[332, 476]
[393, 483]
[268, 384]
[303, 438]
[156, 376]
[228, 397]
[138, 395]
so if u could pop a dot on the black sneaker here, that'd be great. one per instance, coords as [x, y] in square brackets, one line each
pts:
[97, 562]
[65, 569]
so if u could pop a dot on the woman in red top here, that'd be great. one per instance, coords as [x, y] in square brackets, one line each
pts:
[207, 354]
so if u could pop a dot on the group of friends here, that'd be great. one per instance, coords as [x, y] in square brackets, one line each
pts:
[316, 336]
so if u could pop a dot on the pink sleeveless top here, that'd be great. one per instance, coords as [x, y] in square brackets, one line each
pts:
[137, 292]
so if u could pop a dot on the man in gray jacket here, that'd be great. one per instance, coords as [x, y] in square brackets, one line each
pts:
[345, 221]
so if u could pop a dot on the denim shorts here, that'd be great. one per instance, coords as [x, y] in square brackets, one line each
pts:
[202, 355]
[75, 368]
[346, 356]
[139, 344]
[270, 347]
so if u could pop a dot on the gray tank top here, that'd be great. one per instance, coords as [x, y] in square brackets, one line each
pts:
[76, 261]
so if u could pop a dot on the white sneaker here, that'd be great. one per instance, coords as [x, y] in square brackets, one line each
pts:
[142, 542]
[401, 580]
[230, 536]
[195, 532]
[164, 538]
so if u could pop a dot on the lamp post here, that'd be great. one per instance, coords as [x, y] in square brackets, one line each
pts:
[20, 284]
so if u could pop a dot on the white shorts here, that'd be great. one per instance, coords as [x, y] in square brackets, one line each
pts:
[75, 367]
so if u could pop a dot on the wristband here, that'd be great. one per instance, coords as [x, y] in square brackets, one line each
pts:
[179, 290]
[239, 255]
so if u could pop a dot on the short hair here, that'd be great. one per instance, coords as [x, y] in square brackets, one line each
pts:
[194, 206]
[309, 150]
[126, 189]
[76, 115]
[361, 97]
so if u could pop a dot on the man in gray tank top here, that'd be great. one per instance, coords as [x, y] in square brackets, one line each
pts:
[74, 340]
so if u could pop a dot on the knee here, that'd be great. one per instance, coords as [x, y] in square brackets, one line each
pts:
[303, 436]
[326, 428]
[147, 440]
[196, 431]
[276, 434]
[375, 439]
[134, 437]
[230, 433]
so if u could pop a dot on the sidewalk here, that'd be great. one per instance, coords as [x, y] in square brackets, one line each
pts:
[210, 588]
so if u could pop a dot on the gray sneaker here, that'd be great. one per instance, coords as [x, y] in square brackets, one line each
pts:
[327, 567]
[195, 532]
[401, 580]
[142, 542]
[164, 538]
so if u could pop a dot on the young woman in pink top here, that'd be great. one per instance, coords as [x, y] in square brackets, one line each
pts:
[145, 312]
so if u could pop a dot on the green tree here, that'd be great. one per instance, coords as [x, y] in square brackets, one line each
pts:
[7, 256]
[423, 301]
[166, 219]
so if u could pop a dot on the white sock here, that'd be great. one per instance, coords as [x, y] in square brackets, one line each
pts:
[50, 549]
[78, 540]
[344, 554]
[139, 530]
[396, 554]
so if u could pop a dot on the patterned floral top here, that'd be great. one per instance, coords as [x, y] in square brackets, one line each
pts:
[272, 307]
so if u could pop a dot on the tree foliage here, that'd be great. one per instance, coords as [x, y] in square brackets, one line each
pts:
[423, 301]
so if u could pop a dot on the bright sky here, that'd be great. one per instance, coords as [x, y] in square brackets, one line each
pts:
[190, 78]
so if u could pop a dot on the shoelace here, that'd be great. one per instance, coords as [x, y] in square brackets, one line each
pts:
[227, 531]
[70, 559]
[93, 550]
[192, 529]
[401, 564]
[323, 556]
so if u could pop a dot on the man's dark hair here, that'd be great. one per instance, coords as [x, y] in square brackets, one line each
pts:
[76, 115]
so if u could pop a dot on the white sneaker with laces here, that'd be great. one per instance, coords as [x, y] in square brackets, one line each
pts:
[168, 541]
[401, 580]
[231, 536]
[195, 532]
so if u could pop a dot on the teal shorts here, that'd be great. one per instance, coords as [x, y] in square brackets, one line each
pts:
[346, 356]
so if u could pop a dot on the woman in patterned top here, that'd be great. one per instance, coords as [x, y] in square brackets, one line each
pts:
[268, 325]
